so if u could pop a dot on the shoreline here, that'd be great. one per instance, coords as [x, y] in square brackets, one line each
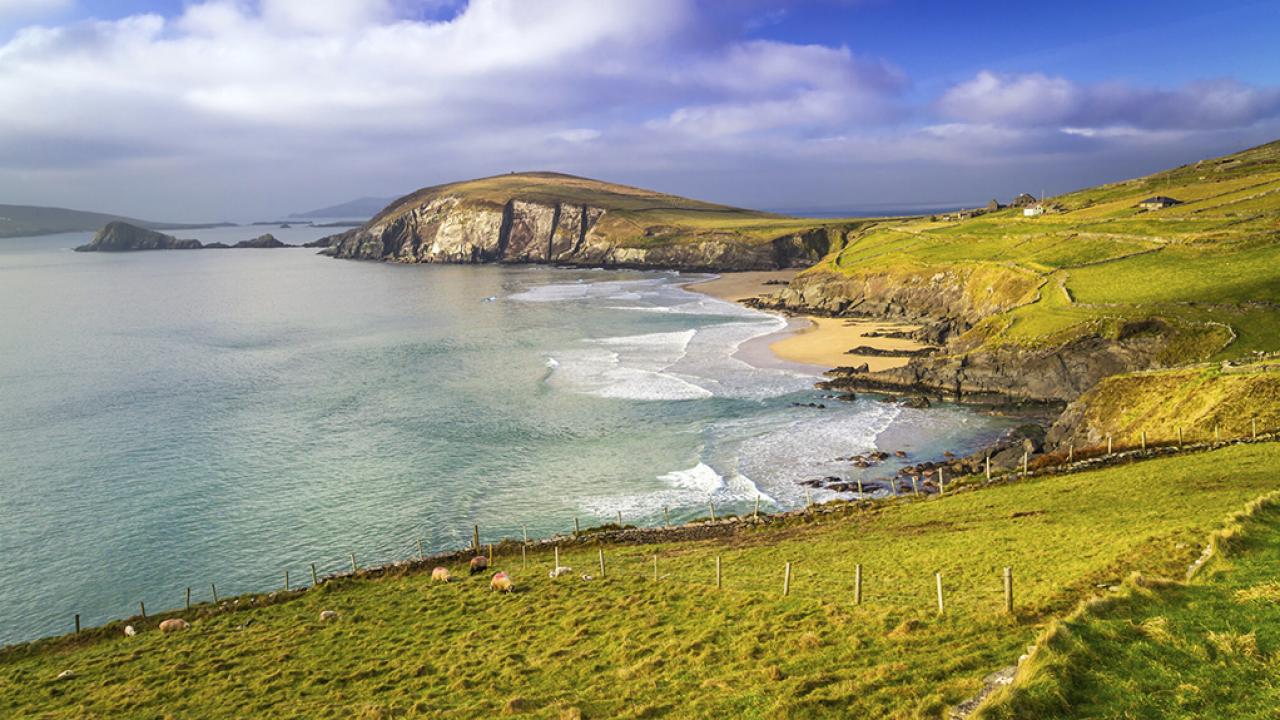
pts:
[809, 340]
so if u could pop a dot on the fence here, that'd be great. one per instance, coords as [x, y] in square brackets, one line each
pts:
[626, 564]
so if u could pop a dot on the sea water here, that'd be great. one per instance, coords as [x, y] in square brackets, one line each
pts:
[173, 419]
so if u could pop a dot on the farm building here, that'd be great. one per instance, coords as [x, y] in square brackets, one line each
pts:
[1159, 202]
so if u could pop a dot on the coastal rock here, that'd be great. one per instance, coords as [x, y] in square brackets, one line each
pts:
[262, 241]
[123, 237]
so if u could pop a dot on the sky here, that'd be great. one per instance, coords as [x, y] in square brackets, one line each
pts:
[250, 109]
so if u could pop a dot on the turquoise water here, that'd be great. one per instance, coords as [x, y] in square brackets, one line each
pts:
[175, 419]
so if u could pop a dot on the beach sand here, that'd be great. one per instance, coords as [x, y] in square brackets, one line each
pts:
[816, 341]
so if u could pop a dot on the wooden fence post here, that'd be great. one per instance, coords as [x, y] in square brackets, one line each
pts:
[786, 580]
[859, 487]
[712, 507]
[717, 572]
[942, 485]
[354, 567]
[577, 529]
[601, 553]
[1071, 452]
[188, 598]
[557, 558]
[1108, 443]
[315, 579]
[77, 623]
[215, 593]
[286, 581]
[1008, 590]
[757, 515]
[988, 468]
[524, 530]
[666, 516]
[422, 553]
[915, 484]
[1253, 422]
[808, 499]
[143, 609]
[941, 608]
[1144, 439]
[1025, 457]
[475, 538]
[857, 584]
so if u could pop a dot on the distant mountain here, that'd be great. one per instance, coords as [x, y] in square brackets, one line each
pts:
[28, 220]
[363, 209]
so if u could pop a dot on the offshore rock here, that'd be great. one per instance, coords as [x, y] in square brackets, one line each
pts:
[123, 237]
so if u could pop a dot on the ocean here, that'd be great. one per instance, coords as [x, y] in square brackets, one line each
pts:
[177, 419]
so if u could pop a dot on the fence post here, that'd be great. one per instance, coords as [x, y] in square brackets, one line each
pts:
[354, 567]
[1144, 439]
[422, 554]
[857, 584]
[1253, 422]
[808, 499]
[601, 552]
[475, 537]
[143, 609]
[941, 608]
[988, 468]
[557, 559]
[77, 623]
[215, 593]
[1071, 452]
[666, 515]
[286, 581]
[712, 506]
[1025, 457]
[1217, 432]
[1108, 443]
[188, 598]
[859, 488]
[915, 484]
[786, 580]
[655, 567]
[757, 515]
[1008, 590]
[577, 529]
[717, 572]
[315, 579]
[942, 485]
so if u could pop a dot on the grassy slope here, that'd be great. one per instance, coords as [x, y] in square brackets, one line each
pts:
[27, 220]
[626, 647]
[635, 216]
[1214, 259]
[1206, 648]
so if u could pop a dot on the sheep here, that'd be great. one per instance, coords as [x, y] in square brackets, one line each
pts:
[328, 616]
[501, 583]
[129, 631]
[440, 575]
[479, 564]
[561, 570]
[174, 625]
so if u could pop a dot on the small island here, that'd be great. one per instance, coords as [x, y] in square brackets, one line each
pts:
[119, 236]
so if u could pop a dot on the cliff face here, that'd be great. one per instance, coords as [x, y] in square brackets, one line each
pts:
[123, 237]
[448, 229]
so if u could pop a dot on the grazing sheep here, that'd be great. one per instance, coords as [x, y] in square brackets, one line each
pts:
[440, 575]
[501, 583]
[328, 616]
[587, 578]
[66, 675]
[479, 564]
[129, 631]
[562, 570]
[174, 625]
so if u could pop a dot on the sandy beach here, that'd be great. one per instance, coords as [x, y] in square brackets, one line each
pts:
[819, 341]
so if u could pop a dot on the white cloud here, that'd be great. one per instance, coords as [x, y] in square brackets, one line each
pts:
[1036, 100]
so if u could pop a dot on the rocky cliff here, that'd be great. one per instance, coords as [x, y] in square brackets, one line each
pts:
[574, 221]
[123, 237]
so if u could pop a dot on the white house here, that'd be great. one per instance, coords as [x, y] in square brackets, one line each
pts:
[1033, 211]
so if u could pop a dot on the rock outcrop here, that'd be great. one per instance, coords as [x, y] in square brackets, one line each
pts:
[262, 241]
[450, 229]
[123, 237]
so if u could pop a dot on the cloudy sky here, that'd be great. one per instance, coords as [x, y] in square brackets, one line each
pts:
[249, 109]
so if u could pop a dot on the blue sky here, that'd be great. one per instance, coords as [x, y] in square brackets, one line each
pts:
[249, 108]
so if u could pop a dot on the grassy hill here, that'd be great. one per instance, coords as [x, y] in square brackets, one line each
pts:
[623, 645]
[29, 220]
[1204, 648]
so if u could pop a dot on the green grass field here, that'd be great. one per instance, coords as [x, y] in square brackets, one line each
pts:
[623, 645]
[1211, 262]
[1205, 648]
